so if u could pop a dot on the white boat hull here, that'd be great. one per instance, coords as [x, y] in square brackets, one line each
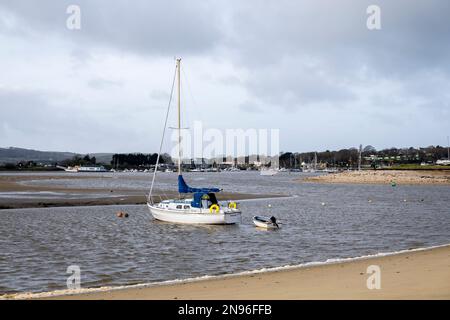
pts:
[186, 217]
[268, 172]
[264, 224]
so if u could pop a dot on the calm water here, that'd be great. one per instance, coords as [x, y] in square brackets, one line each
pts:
[319, 222]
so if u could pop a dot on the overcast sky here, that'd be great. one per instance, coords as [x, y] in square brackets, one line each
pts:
[310, 68]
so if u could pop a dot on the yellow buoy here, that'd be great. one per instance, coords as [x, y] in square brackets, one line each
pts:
[215, 208]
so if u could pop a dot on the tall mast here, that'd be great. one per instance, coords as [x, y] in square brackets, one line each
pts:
[179, 116]
[448, 149]
[315, 160]
[359, 157]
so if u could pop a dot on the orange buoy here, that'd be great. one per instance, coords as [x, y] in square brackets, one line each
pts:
[122, 214]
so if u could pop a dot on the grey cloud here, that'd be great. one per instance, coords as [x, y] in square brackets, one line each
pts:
[100, 83]
[293, 84]
[230, 81]
[410, 31]
[413, 39]
[159, 95]
[286, 54]
[144, 27]
[413, 35]
[31, 119]
[251, 107]
[29, 113]
[80, 56]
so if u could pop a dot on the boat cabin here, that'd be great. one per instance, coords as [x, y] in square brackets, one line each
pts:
[204, 200]
[200, 201]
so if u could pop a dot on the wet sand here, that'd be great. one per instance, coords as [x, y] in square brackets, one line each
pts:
[417, 274]
[438, 177]
[88, 197]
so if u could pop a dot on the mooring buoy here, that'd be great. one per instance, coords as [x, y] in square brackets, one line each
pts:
[121, 214]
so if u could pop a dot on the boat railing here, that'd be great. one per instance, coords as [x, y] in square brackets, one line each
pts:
[160, 197]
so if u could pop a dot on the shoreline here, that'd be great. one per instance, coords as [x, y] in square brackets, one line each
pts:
[422, 273]
[403, 177]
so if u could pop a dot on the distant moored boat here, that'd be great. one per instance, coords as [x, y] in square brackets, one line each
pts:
[268, 172]
[84, 169]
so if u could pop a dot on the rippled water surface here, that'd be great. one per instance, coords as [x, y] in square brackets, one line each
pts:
[319, 222]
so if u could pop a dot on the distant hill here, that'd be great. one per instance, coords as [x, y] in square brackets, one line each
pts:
[14, 155]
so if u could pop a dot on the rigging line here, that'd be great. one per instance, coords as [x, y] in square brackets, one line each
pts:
[149, 198]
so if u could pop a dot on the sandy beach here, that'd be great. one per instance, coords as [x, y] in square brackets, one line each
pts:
[438, 177]
[414, 274]
[97, 196]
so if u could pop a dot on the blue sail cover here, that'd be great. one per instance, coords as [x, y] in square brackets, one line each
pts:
[184, 188]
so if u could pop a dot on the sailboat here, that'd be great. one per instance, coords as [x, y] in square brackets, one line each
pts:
[271, 171]
[201, 205]
[268, 172]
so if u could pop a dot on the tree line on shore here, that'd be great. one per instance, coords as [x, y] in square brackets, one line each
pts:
[138, 160]
[369, 156]
[344, 158]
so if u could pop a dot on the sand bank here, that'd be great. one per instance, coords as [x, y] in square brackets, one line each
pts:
[414, 274]
[86, 197]
[386, 177]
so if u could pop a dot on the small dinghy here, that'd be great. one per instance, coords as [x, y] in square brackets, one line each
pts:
[265, 222]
